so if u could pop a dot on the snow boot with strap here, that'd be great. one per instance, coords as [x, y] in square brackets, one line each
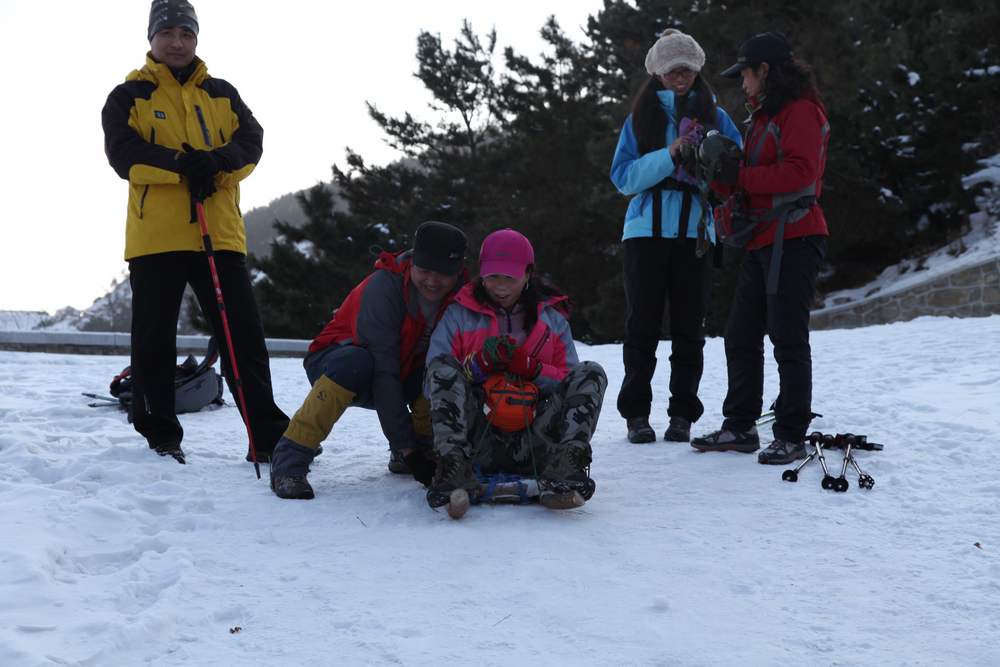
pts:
[566, 484]
[453, 481]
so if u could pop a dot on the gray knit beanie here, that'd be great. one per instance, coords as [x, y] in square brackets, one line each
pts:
[165, 14]
[674, 49]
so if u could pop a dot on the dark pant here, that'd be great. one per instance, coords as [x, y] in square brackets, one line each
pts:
[353, 368]
[785, 319]
[349, 366]
[158, 283]
[660, 272]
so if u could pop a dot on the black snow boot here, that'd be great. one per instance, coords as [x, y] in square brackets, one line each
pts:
[639, 430]
[289, 467]
[173, 450]
[566, 482]
[453, 481]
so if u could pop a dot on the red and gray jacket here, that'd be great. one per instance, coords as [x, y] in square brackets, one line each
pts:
[468, 323]
[382, 314]
[785, 157]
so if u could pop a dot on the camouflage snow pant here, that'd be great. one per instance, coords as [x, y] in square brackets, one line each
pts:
[565, 418]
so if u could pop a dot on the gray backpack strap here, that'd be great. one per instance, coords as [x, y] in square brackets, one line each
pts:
[788, 208]
[790, 211]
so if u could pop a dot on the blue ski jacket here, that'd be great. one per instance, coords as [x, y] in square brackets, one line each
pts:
[634, 174]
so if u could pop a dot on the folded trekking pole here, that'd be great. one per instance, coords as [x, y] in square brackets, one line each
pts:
[210, 253]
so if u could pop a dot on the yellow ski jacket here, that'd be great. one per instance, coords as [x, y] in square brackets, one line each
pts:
[146, 119]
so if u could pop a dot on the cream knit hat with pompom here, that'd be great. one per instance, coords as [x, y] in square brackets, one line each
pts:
[674, 49]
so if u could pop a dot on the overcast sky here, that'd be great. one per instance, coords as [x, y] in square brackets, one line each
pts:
[304, 68]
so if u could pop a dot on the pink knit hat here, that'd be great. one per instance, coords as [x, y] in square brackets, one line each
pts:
[506, 253]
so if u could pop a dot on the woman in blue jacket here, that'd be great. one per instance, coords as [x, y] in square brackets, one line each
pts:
[667, 228]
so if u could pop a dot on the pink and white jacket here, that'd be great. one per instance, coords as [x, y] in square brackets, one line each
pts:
[467, 324]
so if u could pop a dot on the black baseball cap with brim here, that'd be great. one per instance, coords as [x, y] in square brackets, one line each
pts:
[439, 247]
[765, 47]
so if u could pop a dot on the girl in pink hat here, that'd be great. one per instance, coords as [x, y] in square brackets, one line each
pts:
[503, 344]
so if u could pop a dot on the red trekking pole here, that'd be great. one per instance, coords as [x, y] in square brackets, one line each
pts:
[210, 253]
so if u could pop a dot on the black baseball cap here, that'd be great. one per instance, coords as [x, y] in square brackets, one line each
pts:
[439, 247]
[765, 47]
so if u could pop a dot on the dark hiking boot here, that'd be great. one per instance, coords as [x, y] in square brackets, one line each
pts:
[454, 472]
[781, 452]
[679, 430]
[725, 440]
[289, 467]
[173, 451]
[639, 430]
[566, 482]
[397, 465]
[292, 487]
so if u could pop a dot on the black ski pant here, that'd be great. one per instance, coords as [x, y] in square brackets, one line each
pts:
[784, 317]
[661, 271]
[158, 283]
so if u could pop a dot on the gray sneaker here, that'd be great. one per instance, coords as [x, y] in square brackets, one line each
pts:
[725, 440]
[781, 452]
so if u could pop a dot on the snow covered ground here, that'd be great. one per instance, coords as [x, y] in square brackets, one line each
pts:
[111, 555]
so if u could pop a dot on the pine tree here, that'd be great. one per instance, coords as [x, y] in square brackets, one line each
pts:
[905, 86]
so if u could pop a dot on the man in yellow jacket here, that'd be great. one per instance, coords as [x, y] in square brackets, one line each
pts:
[178, 135]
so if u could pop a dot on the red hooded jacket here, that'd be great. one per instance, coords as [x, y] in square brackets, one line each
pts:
[785, 156]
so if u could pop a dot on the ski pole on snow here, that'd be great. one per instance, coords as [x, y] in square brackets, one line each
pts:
[210, 253]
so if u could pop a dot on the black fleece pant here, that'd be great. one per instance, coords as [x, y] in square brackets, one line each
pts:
[785, 318]
[658, 272]
[158, 283]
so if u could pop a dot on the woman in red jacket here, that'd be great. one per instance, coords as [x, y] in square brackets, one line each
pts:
[779, 179]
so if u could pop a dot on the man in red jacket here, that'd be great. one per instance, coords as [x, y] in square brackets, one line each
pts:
[371, 355]
[780, 179]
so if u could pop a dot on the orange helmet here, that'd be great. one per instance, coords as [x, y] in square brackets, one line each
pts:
[510, 402]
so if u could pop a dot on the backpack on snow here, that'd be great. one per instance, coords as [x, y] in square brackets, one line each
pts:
[196, 385]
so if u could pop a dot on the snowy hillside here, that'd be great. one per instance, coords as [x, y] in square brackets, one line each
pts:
[110, 312]
[20, 320]
[114, 556]
[980, 243]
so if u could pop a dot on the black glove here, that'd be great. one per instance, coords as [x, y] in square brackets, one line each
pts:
[199, 168]
[422, 464]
